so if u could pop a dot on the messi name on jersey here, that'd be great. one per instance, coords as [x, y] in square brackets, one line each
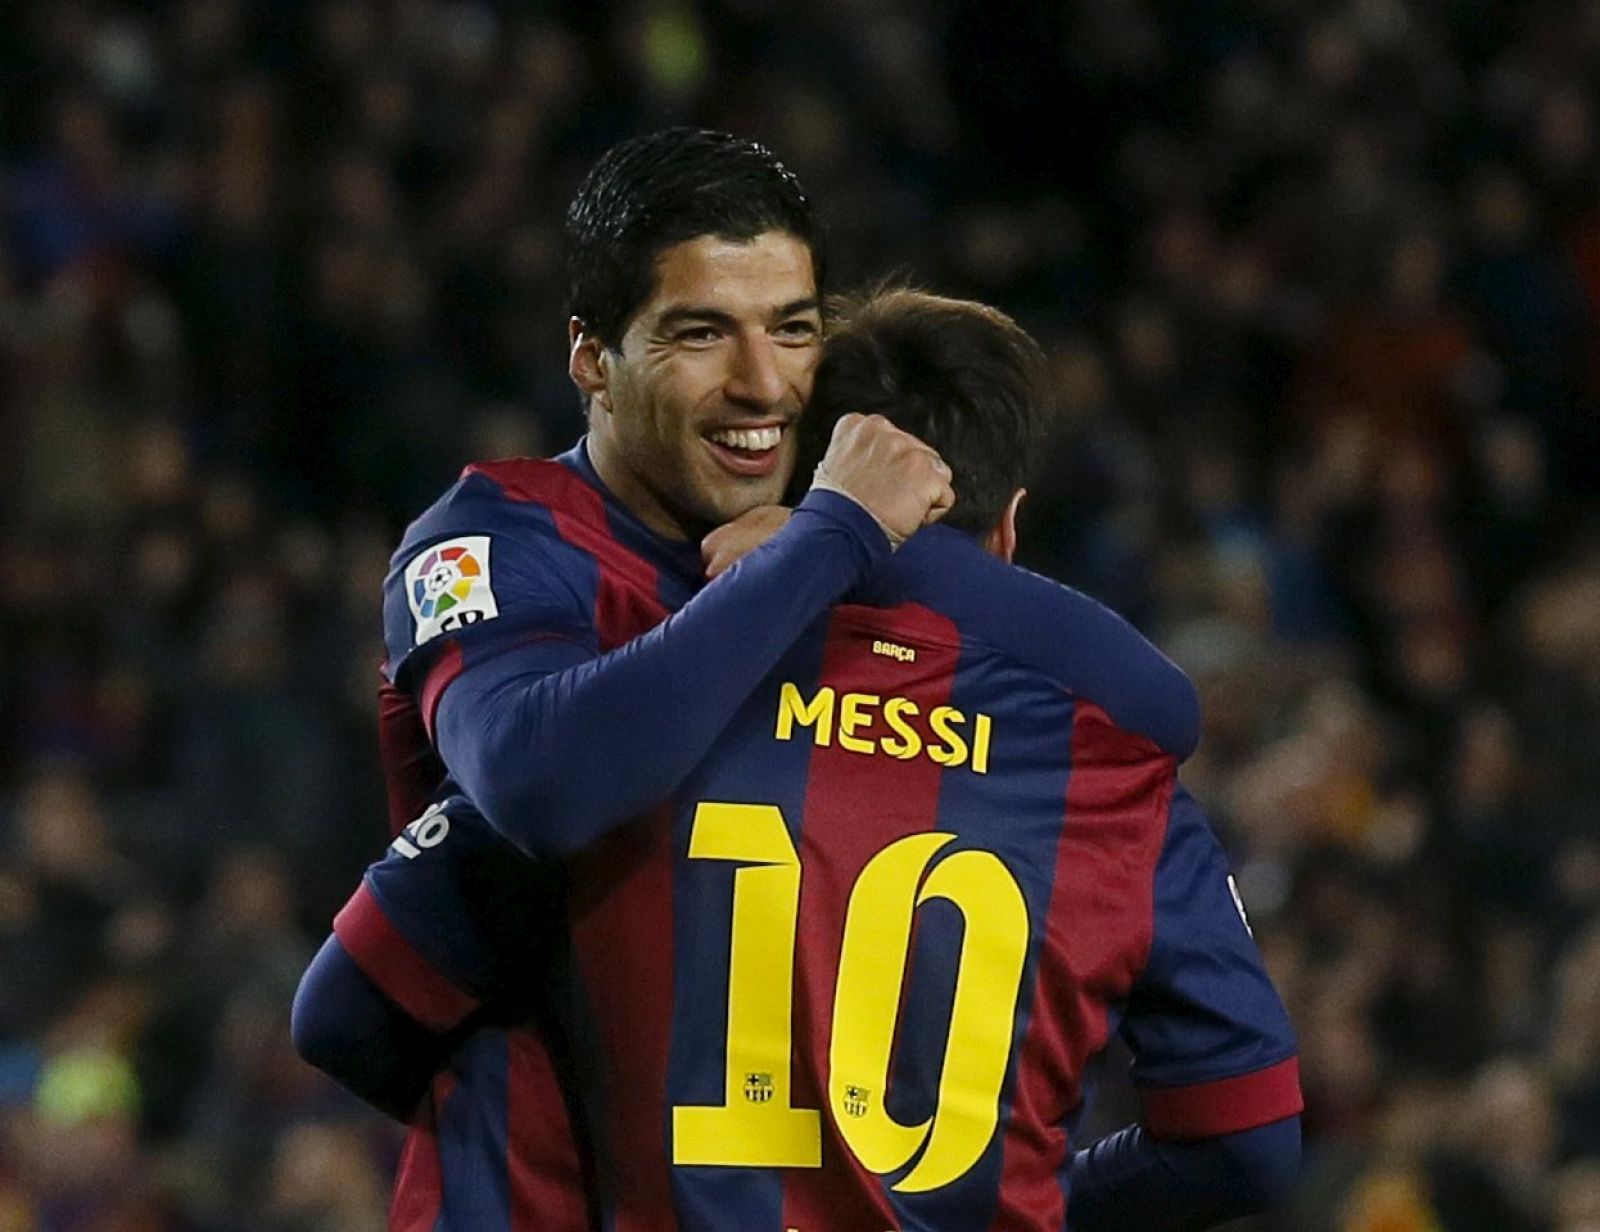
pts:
[870, 723]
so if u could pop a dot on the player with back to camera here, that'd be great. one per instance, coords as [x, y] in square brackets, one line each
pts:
[1134, 922]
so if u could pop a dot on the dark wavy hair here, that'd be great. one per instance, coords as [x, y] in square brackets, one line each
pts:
[651, 192]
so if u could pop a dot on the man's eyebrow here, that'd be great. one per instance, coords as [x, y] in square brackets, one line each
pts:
[796, 306]
[683, 314]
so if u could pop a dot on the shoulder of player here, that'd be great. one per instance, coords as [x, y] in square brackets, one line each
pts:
[545, 482]
[516, 531]
[1124, 671]
[522, 486]
[520, 497]
[1044, 615]
[1078, 643]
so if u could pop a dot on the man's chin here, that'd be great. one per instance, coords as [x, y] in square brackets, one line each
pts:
[734, 500]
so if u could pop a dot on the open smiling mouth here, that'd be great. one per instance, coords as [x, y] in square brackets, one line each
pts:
[747, 451]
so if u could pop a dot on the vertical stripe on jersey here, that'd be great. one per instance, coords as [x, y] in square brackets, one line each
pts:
[748, 766]
[622, 929]
[621, 903]
[473, 1138]
[855, 806]
[505, 1142]
[535, 1157]
[584, 521]
[627, 603]
[628, 582]
[1099, 929]
[1013, 811]
[547, 1191]
[412, 771]
[419, 1181]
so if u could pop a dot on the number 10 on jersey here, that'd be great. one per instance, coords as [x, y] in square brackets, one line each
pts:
[757, 1124]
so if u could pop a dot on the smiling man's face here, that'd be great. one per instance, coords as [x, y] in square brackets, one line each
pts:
[692, 416]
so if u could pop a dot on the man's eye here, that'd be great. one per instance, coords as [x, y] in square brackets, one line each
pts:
[797, 331]
[699, 335]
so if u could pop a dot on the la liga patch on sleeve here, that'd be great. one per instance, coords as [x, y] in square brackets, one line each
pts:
[447, 586]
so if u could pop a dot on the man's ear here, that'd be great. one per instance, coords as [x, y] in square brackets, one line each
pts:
[586, 365]
[1002, 540]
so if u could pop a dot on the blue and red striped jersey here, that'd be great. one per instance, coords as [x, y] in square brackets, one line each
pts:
[854, 973]
[454, 938]
[522, 552]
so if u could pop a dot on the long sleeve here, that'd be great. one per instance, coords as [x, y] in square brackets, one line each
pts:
[1214, 1060]
[452, 928]
[344, 1025]
[556, 747]
[1132, 1180]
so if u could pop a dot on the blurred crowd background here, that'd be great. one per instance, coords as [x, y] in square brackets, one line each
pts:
[1321, 283]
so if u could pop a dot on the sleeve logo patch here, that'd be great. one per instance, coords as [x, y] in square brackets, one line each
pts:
[448, 586]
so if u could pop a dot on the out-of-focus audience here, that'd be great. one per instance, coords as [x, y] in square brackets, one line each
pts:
[1321, 284]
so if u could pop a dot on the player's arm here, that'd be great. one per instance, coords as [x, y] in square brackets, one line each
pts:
[1215, 1061]
[450, 925]
[343, 1023]
[1066, 635]
[557, 746]
[1132, 1179]
[1094, 651]
[346, 1026]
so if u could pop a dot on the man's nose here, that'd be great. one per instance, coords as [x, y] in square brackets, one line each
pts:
[755, 379]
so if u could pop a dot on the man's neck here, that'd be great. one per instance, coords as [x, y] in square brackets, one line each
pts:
[677, 556]
[634, 495]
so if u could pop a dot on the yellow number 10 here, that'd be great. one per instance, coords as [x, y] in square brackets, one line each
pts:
[757, 1124]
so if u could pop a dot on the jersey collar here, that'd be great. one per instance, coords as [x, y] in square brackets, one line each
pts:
[680, 558]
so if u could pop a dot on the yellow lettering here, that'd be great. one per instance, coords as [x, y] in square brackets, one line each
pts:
[756, 1124]
[818, 713]
[872, 969]
[866, 1002]
[954, 750]
[988, 977]
[947, 744]
[853, 716]
[910, 743]
[980, 744]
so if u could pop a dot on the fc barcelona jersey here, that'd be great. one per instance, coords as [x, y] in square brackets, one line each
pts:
[854, 972]
[855, 975]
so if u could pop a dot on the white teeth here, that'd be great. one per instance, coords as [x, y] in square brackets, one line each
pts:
[754, 440]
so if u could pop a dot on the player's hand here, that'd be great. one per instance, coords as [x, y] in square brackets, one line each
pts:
[899, 480]
[723, 546]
